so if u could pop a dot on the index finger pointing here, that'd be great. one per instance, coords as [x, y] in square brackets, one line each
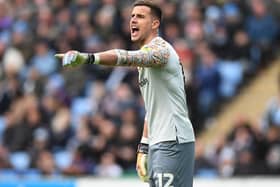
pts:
[59, 55]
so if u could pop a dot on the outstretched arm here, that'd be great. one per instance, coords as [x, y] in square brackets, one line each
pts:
[153, 55]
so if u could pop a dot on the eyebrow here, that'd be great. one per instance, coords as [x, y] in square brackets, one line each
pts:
[137, 15]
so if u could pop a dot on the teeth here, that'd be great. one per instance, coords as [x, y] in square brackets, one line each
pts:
[134, 29]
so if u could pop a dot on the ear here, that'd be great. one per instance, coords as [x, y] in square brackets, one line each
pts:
[155, 24]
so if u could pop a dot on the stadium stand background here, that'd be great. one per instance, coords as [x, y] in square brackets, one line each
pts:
[88, 120]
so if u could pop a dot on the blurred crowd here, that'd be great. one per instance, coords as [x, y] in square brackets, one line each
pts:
[88, 120]
[248, 149]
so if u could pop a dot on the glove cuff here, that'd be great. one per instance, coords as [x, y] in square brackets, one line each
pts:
[90, 58]
[143, 148]
[93, 58]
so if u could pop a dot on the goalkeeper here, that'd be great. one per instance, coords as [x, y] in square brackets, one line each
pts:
[165, 156]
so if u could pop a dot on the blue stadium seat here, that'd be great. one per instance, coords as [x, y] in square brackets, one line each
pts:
[63, 159]
[20, 160]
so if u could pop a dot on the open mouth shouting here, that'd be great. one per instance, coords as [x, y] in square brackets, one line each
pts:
[134, 31]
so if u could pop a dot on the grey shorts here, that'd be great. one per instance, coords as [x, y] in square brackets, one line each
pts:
[171, 164]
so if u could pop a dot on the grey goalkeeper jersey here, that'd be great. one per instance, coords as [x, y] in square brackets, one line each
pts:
[162, 87]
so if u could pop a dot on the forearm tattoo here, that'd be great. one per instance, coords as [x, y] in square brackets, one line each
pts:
[153, 55]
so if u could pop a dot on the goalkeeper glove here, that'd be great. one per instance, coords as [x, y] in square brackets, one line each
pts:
[141, 165]
[73, 58]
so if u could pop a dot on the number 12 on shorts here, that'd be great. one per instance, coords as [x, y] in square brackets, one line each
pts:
[164, 179]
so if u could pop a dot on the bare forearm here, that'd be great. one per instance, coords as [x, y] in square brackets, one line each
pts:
[145, 130]
[108, 58]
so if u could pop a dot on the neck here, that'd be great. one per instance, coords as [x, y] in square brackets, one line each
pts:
[148, 39]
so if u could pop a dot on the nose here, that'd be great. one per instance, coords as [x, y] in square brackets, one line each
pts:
[133, 20]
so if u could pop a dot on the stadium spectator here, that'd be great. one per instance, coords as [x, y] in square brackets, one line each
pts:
[262, 29]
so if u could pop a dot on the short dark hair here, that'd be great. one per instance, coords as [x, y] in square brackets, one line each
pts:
[155, 9]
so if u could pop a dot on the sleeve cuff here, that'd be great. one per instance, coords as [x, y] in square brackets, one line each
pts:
[144, 140]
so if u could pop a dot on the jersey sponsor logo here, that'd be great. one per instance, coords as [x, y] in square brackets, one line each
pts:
[143, 82]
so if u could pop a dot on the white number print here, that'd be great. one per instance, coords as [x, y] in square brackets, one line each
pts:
[168, 176]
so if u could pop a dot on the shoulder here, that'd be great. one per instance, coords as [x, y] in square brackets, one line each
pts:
[160, 42]
[158, 45]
